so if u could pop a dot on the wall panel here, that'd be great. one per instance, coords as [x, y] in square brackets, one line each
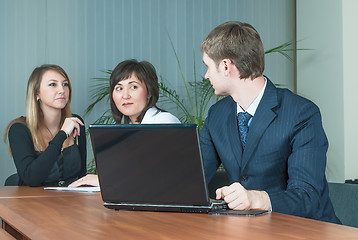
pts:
[87, 36]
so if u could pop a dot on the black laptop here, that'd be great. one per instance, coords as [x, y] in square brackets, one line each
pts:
[153, 167]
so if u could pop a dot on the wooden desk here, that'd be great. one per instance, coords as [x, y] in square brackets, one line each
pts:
[5, 235]
[84, 217]
[30, 192]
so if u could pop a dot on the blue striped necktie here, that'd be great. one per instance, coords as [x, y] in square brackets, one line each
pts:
[243, 119]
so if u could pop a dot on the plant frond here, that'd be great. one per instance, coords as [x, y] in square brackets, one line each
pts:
[181, 72]
[172, 96]
[91, 167]
[283, 48]
[99, 91]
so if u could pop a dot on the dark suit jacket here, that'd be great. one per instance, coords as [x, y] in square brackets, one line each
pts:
[285, 153]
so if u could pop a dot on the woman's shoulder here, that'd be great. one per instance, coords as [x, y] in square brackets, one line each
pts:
[18, 126]
[154, 115]
[18, 123]
[166, 117]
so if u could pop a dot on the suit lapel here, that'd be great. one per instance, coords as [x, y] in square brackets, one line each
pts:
[233, 131]
[264, 115]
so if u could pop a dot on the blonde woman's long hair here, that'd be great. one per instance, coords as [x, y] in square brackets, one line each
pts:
[34, 115]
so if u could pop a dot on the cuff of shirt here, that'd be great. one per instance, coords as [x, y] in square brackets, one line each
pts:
[270, 200]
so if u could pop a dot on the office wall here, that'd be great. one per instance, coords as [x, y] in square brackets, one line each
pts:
[327, 75]
[87, 36]
[350, 86]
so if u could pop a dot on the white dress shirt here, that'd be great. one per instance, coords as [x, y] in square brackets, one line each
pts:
[153, 115]
[253, 106]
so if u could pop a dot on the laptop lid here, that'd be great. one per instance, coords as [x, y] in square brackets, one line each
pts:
[149, 164]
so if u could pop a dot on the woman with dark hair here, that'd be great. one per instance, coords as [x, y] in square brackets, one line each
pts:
[134, 94]
[49, 144]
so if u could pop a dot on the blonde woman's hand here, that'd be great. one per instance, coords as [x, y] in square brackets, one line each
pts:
[71, 126]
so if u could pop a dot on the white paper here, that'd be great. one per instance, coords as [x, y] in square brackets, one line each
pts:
[75, 189]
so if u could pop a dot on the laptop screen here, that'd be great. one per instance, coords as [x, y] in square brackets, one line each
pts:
[149, 163]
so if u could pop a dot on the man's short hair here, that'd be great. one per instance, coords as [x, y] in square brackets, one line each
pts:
[239, 42]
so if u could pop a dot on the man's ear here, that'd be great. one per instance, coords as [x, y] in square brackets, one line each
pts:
[227, 65]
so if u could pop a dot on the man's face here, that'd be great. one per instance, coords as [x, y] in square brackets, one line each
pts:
[216, 76]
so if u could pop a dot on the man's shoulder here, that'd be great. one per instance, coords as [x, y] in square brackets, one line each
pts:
[286, 96]
[221, 110]
[293, 99]
[224, 104]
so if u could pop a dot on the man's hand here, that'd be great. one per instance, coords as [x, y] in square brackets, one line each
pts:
[238, 198]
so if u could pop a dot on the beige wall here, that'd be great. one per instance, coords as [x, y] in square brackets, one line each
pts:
[326, 75]
[350, 86]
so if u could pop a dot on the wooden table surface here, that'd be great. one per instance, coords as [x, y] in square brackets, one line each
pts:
[82, 216]
[4, 235]
[30, 192]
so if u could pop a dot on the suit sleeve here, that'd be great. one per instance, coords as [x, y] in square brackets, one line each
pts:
[305, 167]
[211, 159]
[33, 168]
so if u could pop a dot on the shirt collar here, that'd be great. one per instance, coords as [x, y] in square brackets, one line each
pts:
[253, 106]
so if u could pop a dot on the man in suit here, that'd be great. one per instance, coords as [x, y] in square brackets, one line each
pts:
[270, 141]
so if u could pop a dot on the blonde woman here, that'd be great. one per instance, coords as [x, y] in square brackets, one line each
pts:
[49, 144]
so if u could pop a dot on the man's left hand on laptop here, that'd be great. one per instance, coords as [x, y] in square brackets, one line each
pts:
[238, 198]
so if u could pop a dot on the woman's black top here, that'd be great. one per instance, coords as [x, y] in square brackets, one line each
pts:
[51, 167]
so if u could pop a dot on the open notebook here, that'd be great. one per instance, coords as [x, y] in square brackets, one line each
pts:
[154, 167]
